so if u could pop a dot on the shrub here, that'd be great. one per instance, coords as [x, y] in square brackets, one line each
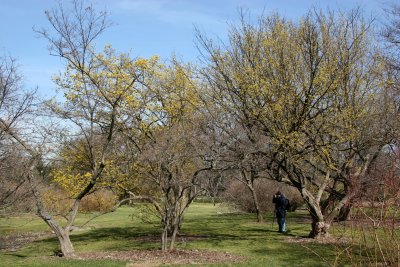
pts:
[240, 196]
[102, 200]
[57, 201]
[374, 224]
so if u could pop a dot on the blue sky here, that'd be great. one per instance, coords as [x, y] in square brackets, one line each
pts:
[144, 27]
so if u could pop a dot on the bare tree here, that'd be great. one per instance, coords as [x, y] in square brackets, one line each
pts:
[391, 34]
[391, 40]
[15, 194]
[15, 104]
[240, 159]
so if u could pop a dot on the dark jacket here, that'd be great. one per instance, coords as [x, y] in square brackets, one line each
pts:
[280, 205]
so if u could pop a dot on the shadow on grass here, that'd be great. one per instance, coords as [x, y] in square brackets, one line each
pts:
[117, 233]
[234, 232]
[119, 238]
[15, 255]
[214, 226]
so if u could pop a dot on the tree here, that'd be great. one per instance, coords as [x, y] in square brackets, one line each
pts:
[303, 91]
[233, 150]
[95, 86]
[15, 105]
[238, 159]
[391, 35]
[171, 160]
[391, 39]
[15, 195]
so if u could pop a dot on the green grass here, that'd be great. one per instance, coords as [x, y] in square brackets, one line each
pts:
[221, 231]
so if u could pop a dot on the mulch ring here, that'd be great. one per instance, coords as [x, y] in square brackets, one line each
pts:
[16, 241]
[179, 239]
[138, 258]
[326, 240]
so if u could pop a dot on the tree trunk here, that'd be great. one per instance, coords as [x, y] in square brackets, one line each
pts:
[319, 226]
[319, 229]
[67, 249]
[249, 178]
[164, 239]
[66, 246]
[164, 236]
[173, 237]
[344, 213]
[260, 218]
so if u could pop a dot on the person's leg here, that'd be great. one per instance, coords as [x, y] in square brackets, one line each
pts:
[281, 224]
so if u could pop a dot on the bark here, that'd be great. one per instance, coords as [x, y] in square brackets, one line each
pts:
[260, 218]
[322, 217]
[249, 178]
[319, 226]
[165, 235]
[67, 249]
[344, 213]
[173, 237]
[175, 217]
[321, 222]
[319, 229]
[66, 246]
[168, 237]
[164, 240]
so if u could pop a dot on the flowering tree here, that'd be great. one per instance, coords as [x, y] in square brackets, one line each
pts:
[304, 91]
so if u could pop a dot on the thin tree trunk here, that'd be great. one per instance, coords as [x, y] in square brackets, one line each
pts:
[164, 239]
[250, 185]
[173, 237]
[260, 218]
[164, 235]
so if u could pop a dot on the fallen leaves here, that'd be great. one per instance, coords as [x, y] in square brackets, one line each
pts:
[139, 258]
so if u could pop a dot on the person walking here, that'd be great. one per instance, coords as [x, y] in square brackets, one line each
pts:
[281, 204]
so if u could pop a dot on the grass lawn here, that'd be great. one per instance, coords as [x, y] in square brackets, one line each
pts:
[205, 227]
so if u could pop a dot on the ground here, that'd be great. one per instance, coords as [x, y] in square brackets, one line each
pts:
[151, 258]
[16, 241]
[121, 239]
[136, 258]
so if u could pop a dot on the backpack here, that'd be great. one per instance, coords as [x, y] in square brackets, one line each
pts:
[287, 204]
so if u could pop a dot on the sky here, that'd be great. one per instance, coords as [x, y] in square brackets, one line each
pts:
[141, 27]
